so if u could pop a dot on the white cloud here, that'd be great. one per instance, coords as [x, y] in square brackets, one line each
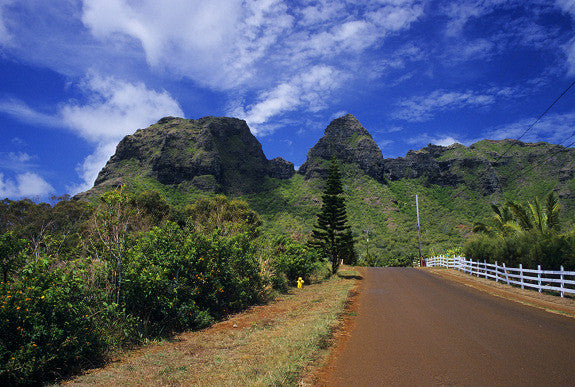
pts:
[214, 42]
[567, 6]
[17, 162]
[308, 90]
[569, 49]
[553, 128]
[5, 35]
[25, 185]
[19, 157]
[25, 113]
[92, 165]
[114, 109]
[338, 114]
[446, 141]
[442, 140]
[460, 12]
[227, 44]
[423, 108]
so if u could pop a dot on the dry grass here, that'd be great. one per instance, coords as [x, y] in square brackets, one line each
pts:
[266, 345]
[530, 297]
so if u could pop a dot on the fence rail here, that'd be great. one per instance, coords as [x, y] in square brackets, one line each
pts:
[553, 280]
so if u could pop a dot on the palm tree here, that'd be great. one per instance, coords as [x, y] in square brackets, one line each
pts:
[503, 222]
[513, 217]
[535, 217]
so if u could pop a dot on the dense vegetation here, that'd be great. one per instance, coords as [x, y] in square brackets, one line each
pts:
[80, 279]
[524, 234]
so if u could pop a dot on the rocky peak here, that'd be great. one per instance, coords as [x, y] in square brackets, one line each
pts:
[218, 154]
[347, 140]
[345, 127]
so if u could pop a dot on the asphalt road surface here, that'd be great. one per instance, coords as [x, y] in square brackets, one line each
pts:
[414, 328]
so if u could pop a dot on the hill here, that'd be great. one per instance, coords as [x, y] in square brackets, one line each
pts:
[186, 159]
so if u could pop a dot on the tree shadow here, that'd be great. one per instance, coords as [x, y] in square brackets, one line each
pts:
[349, 276]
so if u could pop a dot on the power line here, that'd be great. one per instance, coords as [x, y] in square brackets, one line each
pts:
[544, 45]
[533, 166]
[524, 132]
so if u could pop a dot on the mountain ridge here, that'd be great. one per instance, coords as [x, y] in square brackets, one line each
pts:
[187, 159]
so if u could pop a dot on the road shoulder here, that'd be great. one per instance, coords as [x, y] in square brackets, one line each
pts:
[553, 304]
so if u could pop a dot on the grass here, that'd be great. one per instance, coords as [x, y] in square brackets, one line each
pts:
[268, 345]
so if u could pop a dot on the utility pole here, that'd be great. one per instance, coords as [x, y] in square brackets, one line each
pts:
[418, 228]
[367, 248]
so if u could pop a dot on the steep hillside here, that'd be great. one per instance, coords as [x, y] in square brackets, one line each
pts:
[186, 159]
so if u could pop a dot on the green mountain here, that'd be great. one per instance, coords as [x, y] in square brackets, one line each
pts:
[186, 159]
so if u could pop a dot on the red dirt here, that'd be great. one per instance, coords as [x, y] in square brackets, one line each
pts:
[417, 328]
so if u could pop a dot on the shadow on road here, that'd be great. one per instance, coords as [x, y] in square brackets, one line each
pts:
[350, 276]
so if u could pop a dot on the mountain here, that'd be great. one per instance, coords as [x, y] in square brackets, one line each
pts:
[186, 159]
[210, 154]
[350, 143]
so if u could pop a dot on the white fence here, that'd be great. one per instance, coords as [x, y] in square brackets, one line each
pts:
[555, 280]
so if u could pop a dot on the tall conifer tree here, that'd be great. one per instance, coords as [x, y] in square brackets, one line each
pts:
[332, 234]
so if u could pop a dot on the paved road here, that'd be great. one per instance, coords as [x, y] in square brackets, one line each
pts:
[414, 328]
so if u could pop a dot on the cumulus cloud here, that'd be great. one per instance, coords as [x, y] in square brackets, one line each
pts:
[116, 108]
[92, 165]
[25, 185]
[113, 109]
[310, 89]
[226, 44]
[214, 42]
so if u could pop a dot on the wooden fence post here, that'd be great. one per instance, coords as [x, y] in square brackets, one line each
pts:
[496, 272]
[562, 282]
[485, 268]
[539, 277]
[521, 275]
[505, 272]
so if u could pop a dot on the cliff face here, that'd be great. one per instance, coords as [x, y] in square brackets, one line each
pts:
[215, 154]
[350, 143]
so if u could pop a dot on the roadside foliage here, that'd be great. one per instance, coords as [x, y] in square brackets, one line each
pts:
[528, 234]
[82, 280]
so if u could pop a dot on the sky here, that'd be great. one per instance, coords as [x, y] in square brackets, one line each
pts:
[76, 76]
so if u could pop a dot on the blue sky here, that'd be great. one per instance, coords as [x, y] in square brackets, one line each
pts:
[78, 75]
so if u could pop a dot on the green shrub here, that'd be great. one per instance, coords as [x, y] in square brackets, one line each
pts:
[527, 248]
[46, 326]
[293, 259]
[177, 279]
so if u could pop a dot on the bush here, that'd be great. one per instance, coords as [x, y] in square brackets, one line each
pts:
[176, 279]
[527, 248]
[293, 259]
[46, 326]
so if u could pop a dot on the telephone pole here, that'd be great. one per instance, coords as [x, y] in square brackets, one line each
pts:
[418, 228]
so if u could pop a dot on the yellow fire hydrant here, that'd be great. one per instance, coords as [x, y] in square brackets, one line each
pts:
[300, 283]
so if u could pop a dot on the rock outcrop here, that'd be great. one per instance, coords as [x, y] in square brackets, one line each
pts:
[217, 154]
[349, 142]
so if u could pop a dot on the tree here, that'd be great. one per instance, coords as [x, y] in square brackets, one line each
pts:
[332, 234]
[228, 216]
[10, 248]
[513, 217]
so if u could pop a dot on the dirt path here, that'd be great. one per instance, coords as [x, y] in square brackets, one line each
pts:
[416, 328]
